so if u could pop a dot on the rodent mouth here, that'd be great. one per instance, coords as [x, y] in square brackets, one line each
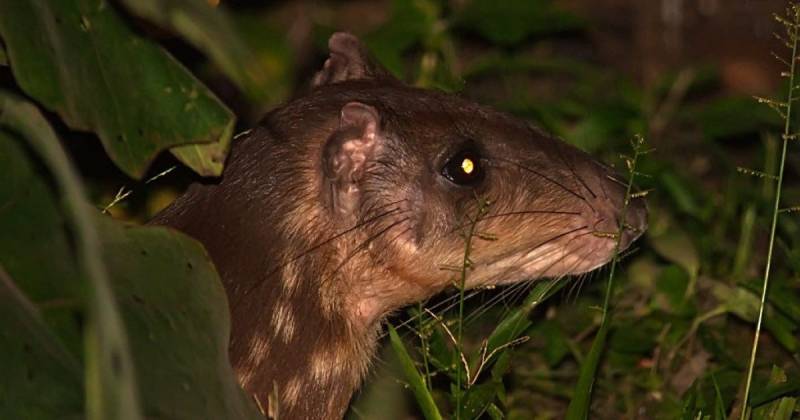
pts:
[573, 252]
[570, 254]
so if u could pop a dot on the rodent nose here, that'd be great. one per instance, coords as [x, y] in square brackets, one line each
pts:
[607, 213]
[606, 200]
[635, 222]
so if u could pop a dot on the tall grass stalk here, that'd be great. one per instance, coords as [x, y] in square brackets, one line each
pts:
[423, 343]
[466, 265]
[579, 406]
[792, 25]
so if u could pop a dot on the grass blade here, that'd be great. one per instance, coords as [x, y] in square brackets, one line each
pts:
[415, 382]
[579, 406]
[793, 32]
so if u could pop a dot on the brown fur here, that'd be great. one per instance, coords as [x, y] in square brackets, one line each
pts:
[333, 212]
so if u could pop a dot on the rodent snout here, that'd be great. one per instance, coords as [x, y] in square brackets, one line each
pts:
[605, 195]
[608, 213]
[634, 221]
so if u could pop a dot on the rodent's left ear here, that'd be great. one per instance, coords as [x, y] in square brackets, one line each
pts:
[349, 60]
[347, 153]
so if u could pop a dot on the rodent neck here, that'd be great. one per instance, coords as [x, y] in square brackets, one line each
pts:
[304, 349]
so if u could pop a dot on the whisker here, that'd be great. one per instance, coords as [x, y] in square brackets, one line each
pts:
[544, 269]
[339, 235]
[528, 252]
[517, 213]
[366, 243]
[319, 245]
[452, 300]
[507, 292]
[575, 174]
[618, 181]
[512, 292]
[543, 176]
[530, 283]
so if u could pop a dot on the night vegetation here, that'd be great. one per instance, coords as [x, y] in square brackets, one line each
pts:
[109, 109]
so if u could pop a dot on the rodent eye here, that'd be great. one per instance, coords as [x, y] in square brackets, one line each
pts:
[464, 167]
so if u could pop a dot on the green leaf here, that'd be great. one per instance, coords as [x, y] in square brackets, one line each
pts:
[719, 118]
[41, 379]
[556, 342]
[680, 190]
[578, 408]
[210, 30]
[175, 310]
[779, 409]
[476, 400]
[635, 337]
[672, 243]
[513, 325]
[415, 381]
[66, 252]
[719, 403]
[155, 308]
[737, 300]
[672, 285]
[273, 54]
[511, 21]
[783, 298]
[774, 391]
[494, 412]
[410, 24]
[81, 60]
[783, 330]
[441, 354]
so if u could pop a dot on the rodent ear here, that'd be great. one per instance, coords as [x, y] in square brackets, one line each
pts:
[349, 60]
[347, 153]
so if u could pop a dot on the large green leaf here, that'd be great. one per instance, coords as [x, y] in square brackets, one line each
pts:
[415, 382]
[65, 264]
[578, 408]
[516, 322]
[49, 245]
[41, 379]
[176, 312]
[210, 30]
[81, 60]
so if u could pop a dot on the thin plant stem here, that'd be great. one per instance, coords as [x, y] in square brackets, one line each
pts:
[424, 346]
[466, 264]
[578, 408]
[637, 152]
[792, 28]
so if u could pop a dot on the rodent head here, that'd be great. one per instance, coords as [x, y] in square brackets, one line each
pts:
[420, 171]
[360, 198]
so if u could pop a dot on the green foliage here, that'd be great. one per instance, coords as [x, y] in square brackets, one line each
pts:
[581, 400]
[510, 22]
[415, 380]
[110, 385]
[142, 345]
[80, 60]
[103, 320]
[211, 31]
[781, 330]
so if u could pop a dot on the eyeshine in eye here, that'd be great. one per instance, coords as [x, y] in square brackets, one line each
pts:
[464, 168]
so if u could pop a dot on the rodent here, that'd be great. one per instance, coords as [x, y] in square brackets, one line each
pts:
[343, 205]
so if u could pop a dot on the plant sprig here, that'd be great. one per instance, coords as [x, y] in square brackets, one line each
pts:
[791, 24]
[579, 406]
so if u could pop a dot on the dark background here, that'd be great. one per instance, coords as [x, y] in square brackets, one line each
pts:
[680, 73]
